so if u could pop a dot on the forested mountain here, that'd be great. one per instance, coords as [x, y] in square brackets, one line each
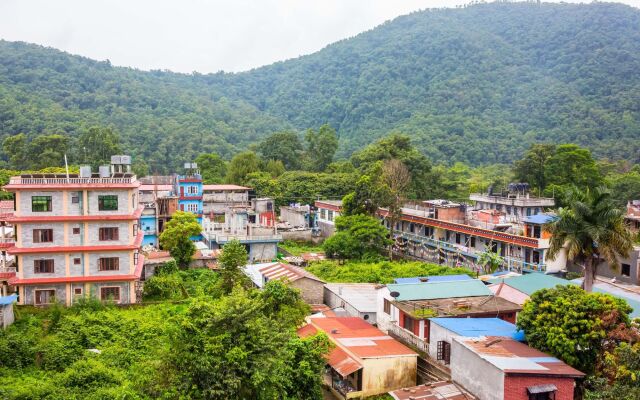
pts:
[476, 84]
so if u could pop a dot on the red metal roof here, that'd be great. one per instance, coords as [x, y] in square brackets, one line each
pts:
[71, 218]
[334, 205]
[224, 187]
[337, 358]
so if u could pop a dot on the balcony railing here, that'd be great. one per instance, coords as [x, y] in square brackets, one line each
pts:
[8, 270]
[246, 238]
[18, 180]
[408, 338]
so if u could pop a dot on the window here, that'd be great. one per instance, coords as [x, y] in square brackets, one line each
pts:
[77, 261]
[408, 323]
[42, 235]
[76, 231]
[192, 189]
[77, 291]
[108, 264]
[528, 211]
[542, 392]
[136, 255]
[472, 241]
[75, 199]
[625, 269]
[43, 266]
[192, 207]
[387, 307]
[444, 351]
[330, 215]
[45, 296]
[40, 203]
[108, 203]
[323, 214]
[458, 238]
[108, 233]
[110, 293]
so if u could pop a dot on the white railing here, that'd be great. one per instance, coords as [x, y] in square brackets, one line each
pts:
[246, 238]
[7, 240]
[409, 338]
[521, 200]
[18, 180]
[7, 269]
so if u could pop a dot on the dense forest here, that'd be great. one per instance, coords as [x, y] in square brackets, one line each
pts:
[476, 85]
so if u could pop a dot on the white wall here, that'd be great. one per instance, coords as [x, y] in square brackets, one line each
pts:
[476, 375]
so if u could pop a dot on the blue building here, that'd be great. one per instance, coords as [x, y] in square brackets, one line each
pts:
[190, 189]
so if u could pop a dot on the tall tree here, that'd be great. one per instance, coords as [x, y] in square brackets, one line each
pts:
[284, 146]
[591, 229]
[96, 145]
[321, 147]
[357, 237]
[233, 258]
[212, 167]
[397, 179]
[571, 164]
[176, 237]
[241, 165]
[16, 147]
[531, 168]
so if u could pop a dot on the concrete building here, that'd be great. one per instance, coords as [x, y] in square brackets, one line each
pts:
[443, 330]
[296, 216]
[311, 287]
[6, 310]
[357, 299]
[217, 199]
[326, 214]
[77, 235]
[405, 310]
[364, 362]
[499, 368]
[159, 202]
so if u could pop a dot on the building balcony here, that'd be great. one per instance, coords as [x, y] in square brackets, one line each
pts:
[60, 181]
[518, 200]
[246, 239]
[408, 338]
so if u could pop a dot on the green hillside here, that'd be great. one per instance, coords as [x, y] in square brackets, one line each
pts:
[476, 84]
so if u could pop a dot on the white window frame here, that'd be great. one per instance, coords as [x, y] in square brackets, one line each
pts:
[192, 207]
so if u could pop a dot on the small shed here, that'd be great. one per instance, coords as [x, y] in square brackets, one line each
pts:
[357, 299]
[6, 310]
[311, 287]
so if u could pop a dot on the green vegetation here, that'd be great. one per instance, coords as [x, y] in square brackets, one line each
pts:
[233, 258]
[378, 272]
[297, 248]
[205, 346]
[357, 237]
[177, 234]
[523, 77]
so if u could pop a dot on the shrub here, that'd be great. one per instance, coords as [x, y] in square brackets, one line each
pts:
[163, 287]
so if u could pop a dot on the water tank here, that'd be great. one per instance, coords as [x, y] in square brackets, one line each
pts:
[105, 171]
[126, 160]
[116, 160]
[85, 171]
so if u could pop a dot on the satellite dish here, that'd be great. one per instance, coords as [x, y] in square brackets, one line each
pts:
[394, 294]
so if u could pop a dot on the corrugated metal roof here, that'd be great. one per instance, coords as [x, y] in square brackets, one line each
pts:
[439, 290]
[6, 300]
[476, 327]
[342, 363]
[277, 270]
[443, 390]
[632, 299]
[362, 296]
[514, 357]
[532, 282]
[433, 278]
[539, 219]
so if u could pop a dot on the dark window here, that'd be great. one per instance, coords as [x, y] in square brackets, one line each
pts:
[109, 264]
[108, 203]
[77, 291]
[76, 231]
[625, 269]
[75, 199]
[42, 235]
[76, 261]
[42, 266]
[408, 323]
[387, 307]
[444, 351]
[458, 238]
[110, 293]
[40, 203]
[45, 296]
[473, 241]
[551, 395]
[108, 233]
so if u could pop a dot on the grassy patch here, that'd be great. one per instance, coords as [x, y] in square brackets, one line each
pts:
[297, 248]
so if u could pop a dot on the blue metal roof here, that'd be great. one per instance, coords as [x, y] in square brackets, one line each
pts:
[475, 327]
[435, 278]
[540, 219]
[6, 300]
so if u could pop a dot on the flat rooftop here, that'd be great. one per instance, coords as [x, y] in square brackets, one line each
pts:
[439, 289]
[458, 306]
[477, 327]
[362, 296]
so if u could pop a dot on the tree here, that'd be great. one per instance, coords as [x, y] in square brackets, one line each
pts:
[571, 164]
[212, 167]
[275, 168]
[532, 167]
[591, 229]
[283, 146]
[241, 165]
[16, 147]
[490, 261]
[96, 145]
[321, 147]
[572, 324]
[233, 258]
[369, 194]
[396, 178]
[177, 237]
[357, 237]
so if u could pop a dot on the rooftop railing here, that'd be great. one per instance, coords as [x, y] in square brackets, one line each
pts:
[18, 180]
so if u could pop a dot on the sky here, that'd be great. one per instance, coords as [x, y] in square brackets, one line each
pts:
[198, 35]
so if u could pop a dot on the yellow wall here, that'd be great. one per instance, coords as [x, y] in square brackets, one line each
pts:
[381, 375]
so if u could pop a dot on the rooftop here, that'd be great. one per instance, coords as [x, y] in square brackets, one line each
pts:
[277, 270]
[215, 188]
[539, 219]
[439, 290]
[362, 296]
[155, 188]
[432, 391]
[530, 283]
[433, 278]
[513, 357]
[460, 306]
[359, 337]
[476, 327]
[336, 203]
[35, 181]
[616, 290]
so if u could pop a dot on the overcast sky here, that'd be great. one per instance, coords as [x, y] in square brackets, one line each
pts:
[198, 35]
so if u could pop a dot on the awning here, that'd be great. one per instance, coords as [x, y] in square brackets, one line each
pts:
[342, 363]
[541, 389]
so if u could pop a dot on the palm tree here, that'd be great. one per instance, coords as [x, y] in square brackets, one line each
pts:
[591, 229]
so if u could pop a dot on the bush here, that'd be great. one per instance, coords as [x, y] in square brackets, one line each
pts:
[167, 268]
[163, 287]
[89, 373]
